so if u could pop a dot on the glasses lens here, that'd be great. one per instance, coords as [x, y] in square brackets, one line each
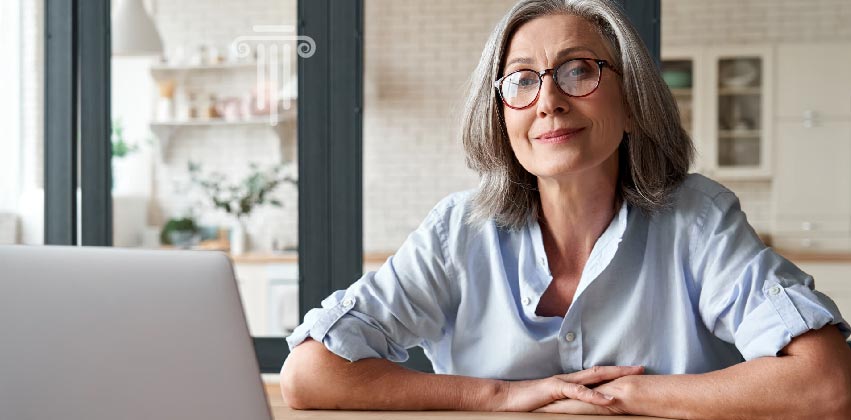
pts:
[520, 88]
[578, 77]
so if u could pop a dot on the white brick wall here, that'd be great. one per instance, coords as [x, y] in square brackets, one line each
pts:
[698, 22]
[419, 55]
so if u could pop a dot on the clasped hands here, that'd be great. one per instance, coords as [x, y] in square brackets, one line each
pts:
[599, 390]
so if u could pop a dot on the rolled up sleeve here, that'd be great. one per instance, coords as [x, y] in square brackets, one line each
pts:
[749, 295]
[401, 305]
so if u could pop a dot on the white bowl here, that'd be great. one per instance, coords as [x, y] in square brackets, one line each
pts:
[740, 73]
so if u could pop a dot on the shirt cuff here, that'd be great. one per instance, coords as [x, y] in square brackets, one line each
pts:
[349, 334]
[318, 321]
[785, 313]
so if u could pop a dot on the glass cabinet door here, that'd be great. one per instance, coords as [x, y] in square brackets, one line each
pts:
[740, 122]
[739, 100]
[683, 72]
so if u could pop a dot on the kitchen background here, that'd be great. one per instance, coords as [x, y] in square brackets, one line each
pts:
[762, 85]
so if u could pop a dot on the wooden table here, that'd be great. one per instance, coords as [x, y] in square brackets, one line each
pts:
[280, 411]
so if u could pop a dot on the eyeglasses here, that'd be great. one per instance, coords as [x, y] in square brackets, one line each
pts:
[576, 77]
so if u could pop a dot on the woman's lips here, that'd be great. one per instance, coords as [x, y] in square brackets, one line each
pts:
[558, 136]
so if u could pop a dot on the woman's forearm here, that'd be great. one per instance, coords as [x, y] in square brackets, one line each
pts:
[315, 378]
[811, 381]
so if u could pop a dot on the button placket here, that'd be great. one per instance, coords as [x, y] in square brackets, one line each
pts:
[570, 340]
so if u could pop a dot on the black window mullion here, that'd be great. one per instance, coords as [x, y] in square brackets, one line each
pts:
[645, 15]
[60, 123]
[95, 125]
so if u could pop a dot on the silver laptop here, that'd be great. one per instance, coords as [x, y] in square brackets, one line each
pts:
[103, 333]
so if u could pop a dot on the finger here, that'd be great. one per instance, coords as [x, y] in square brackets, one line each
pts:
[581, 392]
[599, 374]
[573, 407]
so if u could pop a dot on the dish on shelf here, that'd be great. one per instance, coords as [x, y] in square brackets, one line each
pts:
[677, 79]
[739, 73]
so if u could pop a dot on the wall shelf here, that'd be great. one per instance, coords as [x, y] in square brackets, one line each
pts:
[728, 91]
[732, 134]
[162, 68]
[165, 131]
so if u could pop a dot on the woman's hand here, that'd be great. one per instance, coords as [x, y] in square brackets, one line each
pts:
[619, 388]
[545, 394]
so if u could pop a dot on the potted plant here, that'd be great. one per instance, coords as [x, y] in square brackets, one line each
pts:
[179, 232]
[121, 149]
[241, 198]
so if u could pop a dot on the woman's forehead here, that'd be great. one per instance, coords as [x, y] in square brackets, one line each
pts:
[547, 39]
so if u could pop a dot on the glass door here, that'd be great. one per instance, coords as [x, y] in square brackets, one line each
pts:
[204, 155]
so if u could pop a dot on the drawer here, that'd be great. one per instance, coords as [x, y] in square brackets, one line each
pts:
[812, 227]
[812, 243]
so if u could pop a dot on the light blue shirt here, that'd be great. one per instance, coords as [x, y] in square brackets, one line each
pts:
[691, 289]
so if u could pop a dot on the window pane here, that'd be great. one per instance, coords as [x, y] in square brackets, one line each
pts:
[212, 117]
[21, 119]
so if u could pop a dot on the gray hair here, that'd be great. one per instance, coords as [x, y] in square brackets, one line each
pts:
[654, 158]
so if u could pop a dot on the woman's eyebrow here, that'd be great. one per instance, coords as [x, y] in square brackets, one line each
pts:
[572, 50]
[561, 54]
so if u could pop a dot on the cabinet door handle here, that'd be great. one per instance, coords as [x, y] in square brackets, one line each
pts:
[809, 118]
[807, 226]
[807, 243]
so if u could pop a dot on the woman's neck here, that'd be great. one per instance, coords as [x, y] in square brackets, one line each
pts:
[575, 212]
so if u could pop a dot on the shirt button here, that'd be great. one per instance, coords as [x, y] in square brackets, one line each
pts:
[570, 337]
[348, 302]
[543, 262]
[774, 290]
[526, 300]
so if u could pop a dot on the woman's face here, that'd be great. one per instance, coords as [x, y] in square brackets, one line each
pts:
[595, 123]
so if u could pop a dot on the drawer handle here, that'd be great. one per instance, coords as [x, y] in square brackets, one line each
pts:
[807, 243]
[807, 226]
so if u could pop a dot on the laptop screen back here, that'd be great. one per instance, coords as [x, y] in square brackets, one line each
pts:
[103, 333]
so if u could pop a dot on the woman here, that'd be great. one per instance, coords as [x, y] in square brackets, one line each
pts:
[588, 273]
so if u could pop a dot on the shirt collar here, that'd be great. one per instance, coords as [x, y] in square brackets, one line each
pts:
[601, 255]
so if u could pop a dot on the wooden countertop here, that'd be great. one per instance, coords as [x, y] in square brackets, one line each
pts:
[280, 411]
[292, 257]
[807, 257]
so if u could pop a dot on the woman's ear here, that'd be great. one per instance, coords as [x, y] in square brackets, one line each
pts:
[630, 124]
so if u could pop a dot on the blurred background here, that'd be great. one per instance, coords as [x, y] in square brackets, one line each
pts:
[204, 126]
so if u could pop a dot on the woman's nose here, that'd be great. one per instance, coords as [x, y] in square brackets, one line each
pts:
[551, 100]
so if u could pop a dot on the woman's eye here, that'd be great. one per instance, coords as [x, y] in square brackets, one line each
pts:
[527, 82]
[578, 70]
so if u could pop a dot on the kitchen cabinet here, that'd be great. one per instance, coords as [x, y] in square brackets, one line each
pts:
[682, 69]
[731, 102]
[813, 82]
[269, 293]
[811, 192]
